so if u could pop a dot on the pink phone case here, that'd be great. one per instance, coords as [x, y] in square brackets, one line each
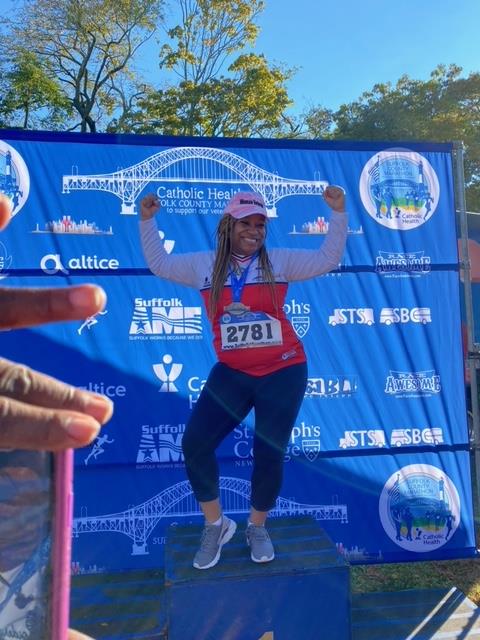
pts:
[62, 543]
[35, 544]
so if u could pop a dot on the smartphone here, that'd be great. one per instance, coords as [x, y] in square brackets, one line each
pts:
[36, 495]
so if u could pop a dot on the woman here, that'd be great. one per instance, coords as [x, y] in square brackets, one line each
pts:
[261, 362]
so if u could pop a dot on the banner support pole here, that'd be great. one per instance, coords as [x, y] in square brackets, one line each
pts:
[473, 351]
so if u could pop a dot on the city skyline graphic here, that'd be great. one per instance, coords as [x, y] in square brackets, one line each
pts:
[199, 165]
[139, 521]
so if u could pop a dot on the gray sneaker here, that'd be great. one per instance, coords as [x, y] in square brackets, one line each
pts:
[213, 539]
[261, 547]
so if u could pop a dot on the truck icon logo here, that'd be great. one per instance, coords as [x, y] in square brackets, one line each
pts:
[359, 315]
[405, 437]
[419, 315]
[363, 438]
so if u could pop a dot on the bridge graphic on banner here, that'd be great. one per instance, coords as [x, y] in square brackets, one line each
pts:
[199, 165]
[138, 522]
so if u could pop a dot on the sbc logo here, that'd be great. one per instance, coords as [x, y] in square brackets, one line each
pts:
[390, 315]
[404, 437]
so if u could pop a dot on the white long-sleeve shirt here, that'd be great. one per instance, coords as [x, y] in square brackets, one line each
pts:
[260, 339]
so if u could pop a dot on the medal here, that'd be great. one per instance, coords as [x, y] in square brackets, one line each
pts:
[237, 283]
[236, 308]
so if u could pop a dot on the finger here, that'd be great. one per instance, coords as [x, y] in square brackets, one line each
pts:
[4, 218]
[27, 386]
[76, 635]
[5, 210]
[25, 426]
[32, 307]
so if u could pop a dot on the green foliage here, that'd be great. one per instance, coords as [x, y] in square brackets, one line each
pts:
[81, 46]
[69, 64]
[444, 108]
[210, 32]
[30, 98]
[248, 103]
[247, 98]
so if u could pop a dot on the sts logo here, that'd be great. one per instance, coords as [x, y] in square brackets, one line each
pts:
[363, 438]
[352, 316]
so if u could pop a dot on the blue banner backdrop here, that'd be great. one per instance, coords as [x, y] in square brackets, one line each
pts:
[379, 453]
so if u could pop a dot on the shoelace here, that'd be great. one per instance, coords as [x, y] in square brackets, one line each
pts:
[208, 533]
[260, 533]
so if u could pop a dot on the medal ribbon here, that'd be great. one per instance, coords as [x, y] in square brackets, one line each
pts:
[237, 284]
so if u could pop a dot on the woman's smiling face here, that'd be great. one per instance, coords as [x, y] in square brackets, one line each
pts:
[248, 234]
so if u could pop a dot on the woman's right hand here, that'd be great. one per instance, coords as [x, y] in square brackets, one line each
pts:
[149, 206]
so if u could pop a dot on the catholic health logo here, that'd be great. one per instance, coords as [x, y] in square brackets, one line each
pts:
[419, 508]
[14, 176]
[399, 189]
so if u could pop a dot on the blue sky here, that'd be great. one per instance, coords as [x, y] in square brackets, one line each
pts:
[344, 47]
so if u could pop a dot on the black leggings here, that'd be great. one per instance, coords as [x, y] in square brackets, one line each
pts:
[225, 400]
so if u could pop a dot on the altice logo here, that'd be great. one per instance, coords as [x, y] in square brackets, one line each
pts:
[51, 264]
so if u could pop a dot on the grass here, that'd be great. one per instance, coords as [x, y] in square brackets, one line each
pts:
[463, 574]
[131, 602]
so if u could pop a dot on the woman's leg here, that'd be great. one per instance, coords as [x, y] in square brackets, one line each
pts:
[224, 402]
[257, 518]
[211, 510]
[278, 399]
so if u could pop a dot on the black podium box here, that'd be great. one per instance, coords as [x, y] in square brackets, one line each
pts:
[304, 594]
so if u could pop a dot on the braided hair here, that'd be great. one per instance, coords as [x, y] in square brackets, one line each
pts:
[223, 257]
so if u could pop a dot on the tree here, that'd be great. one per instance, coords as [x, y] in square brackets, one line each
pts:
[30, 98]
[209, 33]
[248, 100]
[82, 45]
[444, 108]
[249, 103]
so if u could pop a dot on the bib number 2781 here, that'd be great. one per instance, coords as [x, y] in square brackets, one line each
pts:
[243, 335]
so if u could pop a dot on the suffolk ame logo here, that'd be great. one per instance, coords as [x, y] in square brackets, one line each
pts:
[165, 319]
[161, 443]
[399, 189]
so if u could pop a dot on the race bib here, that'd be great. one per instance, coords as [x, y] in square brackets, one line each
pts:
[248, 330]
